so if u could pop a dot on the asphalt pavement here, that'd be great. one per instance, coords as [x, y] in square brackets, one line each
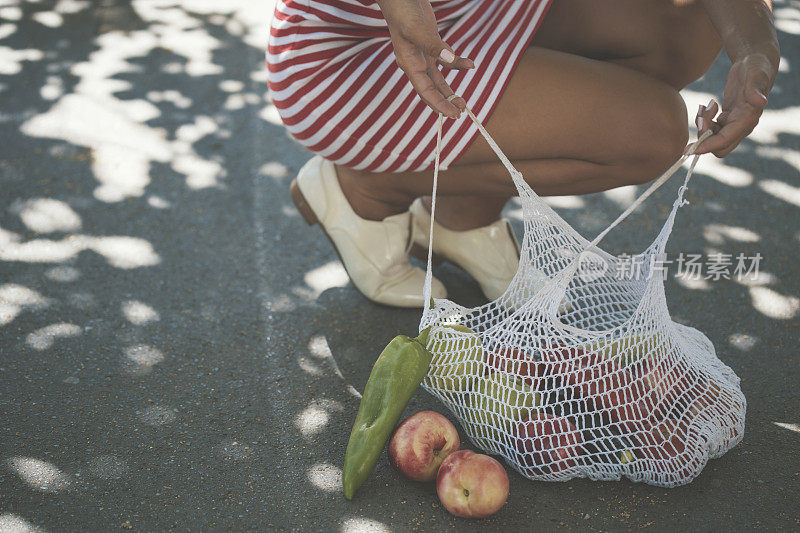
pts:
[180, 351]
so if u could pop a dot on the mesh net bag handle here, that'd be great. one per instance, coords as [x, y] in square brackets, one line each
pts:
[564, 278]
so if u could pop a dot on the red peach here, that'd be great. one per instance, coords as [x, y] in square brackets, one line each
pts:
[421, 443]
[472, 485]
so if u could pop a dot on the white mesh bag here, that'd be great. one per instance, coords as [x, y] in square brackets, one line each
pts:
[577, 369]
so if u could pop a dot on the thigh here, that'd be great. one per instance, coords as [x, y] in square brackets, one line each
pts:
[563, 106]
[671, 40]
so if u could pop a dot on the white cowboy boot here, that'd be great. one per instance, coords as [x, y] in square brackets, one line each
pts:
[374, 253]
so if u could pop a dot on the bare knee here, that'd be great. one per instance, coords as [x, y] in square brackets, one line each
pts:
[662, 141]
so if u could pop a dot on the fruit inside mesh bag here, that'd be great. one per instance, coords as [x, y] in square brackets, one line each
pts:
[623, 402]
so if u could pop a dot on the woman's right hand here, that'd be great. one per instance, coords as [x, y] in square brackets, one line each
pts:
[418, 48]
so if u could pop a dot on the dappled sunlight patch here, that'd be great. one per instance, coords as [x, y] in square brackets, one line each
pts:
[289, 211]
[787, 20]
[124, 252]
[787, 155]
[231, 86]
[38, 474]
[309, 367]
[63, 274]
[325, 476]
[622, 196]
[274, 169]
[7, 29]
[718, 233]
[122, 173]
[364, 525]
[781, 191]
[70, 7]
[11, 60]
[158, 203]
[10, 12]
[15, 298]
[108, 466]
[172, 96]
[121, 148]
[795, 428]
[191, 133]
[180, 35]
[53, 89]
[156, 415]
[772, 304]
[238, 101]
[565, 202]
[316, 415]
[47, 215]
[200, 173]
[43, 338]
[139, 313]
[774, 122]
[756, 279]
[742, 341]
[714, 206]
[694, 283]
[728, 175]
[270, 114]
[141, 358]
[14, 523]
[51, 19]
[37, 250]
[318, 347]
[312, 420]
[326, 277]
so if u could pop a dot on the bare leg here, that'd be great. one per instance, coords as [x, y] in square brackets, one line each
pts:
[673, 42]
[571, 125]
[670, 40]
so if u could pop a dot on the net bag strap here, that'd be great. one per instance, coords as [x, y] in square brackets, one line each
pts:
[426, 289]
[519, 182]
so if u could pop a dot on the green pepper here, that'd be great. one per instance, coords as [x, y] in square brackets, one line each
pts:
[395, 376]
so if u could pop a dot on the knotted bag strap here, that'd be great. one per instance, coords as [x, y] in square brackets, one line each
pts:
[517, 177]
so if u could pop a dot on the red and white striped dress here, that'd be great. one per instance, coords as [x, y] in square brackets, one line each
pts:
[338, 90]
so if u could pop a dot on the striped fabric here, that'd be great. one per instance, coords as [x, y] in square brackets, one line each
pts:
[338, 90]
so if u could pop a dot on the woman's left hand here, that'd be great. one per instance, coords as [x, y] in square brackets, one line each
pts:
[749, 82]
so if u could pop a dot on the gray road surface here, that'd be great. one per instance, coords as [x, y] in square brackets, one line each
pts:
[177, 347]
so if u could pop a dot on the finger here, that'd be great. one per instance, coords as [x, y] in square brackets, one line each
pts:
[448, 58]
[426, 88]
[755, 98]
[758, 81]
[458, 63]
[726, 139]
[705, 116]
[443, 87]
[711, 110]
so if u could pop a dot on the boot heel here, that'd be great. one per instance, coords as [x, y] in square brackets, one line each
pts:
[421, 253]
[301, 204]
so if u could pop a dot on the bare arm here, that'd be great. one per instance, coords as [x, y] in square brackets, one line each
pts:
[745, 27]
[749, 38]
